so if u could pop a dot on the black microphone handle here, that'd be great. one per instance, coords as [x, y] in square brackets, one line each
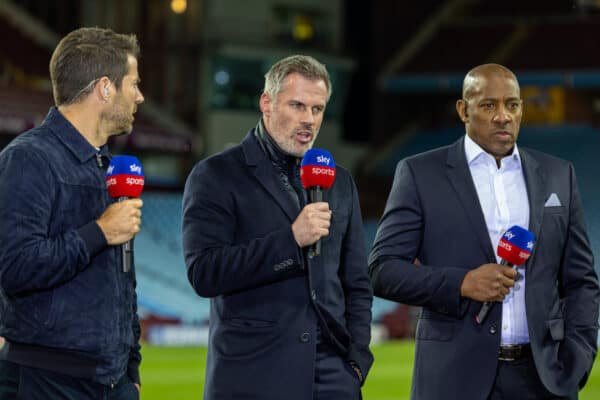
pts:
[126, 248]
[487, 306]
[315, 196]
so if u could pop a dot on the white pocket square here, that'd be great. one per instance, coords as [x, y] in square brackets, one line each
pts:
[553, 201]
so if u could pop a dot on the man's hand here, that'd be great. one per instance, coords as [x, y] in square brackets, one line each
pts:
[312, 223]
[121, 221]
[489, 282]
[357, 370]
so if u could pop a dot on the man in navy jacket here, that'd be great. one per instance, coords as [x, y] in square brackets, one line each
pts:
[67, 309]
[283, 324]
[448, 208]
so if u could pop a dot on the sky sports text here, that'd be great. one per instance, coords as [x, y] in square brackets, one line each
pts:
[322, 171]
[129, 181]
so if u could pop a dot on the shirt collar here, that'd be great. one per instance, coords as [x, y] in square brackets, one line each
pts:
[474, 152]
[71, 137]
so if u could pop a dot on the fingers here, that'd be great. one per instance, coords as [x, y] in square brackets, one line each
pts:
[489, 282]
[312, 224]
[121, 221]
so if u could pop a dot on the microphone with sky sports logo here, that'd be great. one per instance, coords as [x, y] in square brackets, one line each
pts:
[317, 172]
[125, 180]
[514, 249]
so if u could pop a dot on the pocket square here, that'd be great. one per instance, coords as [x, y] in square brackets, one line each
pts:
[553, 201]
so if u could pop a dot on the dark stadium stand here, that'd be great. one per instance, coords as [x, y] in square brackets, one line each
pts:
[19, 50]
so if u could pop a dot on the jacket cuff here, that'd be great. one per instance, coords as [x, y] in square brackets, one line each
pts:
[93, 237]
[362, 359]
[133, 372]
[447, 299]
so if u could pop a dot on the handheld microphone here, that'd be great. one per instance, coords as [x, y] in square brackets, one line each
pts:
[317, 172]
[514, 248]
[124, 180]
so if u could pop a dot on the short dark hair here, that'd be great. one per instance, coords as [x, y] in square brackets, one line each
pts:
[85, 55]
[306, 66]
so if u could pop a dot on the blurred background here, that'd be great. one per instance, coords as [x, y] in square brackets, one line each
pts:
[397, 70]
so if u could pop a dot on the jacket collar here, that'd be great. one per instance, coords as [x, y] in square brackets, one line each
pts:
[460, 177]
[260, 164]
[71, 138]
[461, 180]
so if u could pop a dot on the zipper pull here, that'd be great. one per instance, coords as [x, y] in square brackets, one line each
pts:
[99, 160]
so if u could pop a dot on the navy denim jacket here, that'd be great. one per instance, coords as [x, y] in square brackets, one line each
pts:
[65, 303]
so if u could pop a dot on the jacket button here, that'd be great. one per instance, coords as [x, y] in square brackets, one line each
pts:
[493, 329]
[305, 337]
[313, 295]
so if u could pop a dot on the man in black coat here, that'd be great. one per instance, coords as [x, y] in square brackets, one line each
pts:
[283, 324]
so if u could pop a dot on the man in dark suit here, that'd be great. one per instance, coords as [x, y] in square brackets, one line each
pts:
[447, 209]
[283, 324]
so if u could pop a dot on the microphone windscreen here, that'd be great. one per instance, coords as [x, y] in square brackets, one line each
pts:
[317, 169]
[515, 245]
[125, 177]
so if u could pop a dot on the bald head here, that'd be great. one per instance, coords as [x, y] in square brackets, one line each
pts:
[473, 80]
[491, 108]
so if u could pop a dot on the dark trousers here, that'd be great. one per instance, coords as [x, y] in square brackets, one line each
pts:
[18, 382]
[334, 378]
[519, 380]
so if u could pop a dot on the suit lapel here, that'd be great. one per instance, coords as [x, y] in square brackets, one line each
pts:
[535, 180]
[265, 173]
[460, 177]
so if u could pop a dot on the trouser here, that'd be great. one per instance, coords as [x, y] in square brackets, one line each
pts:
[19, 382]
[519, 380]
[334, 378]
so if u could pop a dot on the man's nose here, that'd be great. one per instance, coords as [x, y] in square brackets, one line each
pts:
[502, 116]
[307, 117]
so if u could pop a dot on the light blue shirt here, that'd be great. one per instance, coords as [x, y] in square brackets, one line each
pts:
[503, 198]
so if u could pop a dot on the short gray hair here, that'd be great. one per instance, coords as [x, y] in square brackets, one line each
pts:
[306, 66]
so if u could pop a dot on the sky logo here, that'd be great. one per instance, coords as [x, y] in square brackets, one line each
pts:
[135, 168]
[323, 159]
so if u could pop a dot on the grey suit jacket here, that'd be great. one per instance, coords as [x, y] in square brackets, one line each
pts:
[433, 214]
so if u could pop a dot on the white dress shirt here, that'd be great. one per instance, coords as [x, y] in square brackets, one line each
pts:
[503, 197]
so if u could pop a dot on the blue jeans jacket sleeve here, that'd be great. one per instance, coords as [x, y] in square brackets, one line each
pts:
[30, 258]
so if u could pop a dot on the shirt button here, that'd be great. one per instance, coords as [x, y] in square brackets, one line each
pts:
[493, 329]
[313, 295]
[305, 337]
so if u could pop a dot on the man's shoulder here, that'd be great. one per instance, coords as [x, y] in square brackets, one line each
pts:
[31, 144]
[220, 163]
[431, 157]
[548, 160]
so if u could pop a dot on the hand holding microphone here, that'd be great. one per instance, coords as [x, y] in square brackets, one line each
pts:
[317, 172]
[514, 249]
[121, 221]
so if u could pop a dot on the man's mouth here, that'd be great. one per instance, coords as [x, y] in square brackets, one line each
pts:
[304, 137]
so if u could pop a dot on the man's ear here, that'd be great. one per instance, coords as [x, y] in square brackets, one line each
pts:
[461, 109]
[265, 104]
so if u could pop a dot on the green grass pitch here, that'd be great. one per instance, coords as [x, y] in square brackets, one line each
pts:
[178, 373]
